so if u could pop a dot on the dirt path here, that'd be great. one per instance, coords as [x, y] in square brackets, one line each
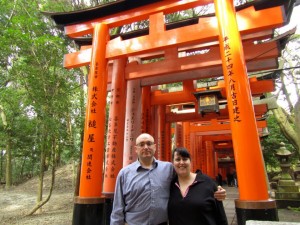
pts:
[20, 200]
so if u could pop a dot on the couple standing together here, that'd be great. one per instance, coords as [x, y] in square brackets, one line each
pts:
[153, 192]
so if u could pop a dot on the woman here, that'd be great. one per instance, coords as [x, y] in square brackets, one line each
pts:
[192, 199]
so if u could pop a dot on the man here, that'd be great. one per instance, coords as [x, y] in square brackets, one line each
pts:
[142, 188]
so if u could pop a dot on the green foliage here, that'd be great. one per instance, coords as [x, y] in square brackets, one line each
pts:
[40, 98]
[272, 143]
[296, 209]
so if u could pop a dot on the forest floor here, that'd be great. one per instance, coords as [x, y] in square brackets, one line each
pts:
[16, 203]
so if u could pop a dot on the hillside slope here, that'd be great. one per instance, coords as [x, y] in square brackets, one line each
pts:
[20, 200]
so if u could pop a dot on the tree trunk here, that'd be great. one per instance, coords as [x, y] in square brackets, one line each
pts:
[297, 123]
[77, 182]
[8, 172]
[286, 128]
[1, 165]
[53, 160]
[40, 204]
[41, 177]
[42, 168]
[21, 174]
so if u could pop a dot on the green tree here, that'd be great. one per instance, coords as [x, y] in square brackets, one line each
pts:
[272, 143]
[39, 98]
[288, 116]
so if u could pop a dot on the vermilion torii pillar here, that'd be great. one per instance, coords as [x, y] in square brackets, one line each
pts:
[115, 132]
[146, 110]
[115, 127]
[168, 137]
[90, 202]
[133, 120]
[160, 121]
[253, 202]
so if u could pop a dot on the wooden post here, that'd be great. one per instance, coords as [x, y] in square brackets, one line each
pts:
[161, 115]
[186, 137]
[146, 110]
[198, 149]
[193, 151]
[89, 205]
[115, 130]
[168, 137]
[178, 134]
[209, 159]
[132, 120]
[253, 200]
[204, 157]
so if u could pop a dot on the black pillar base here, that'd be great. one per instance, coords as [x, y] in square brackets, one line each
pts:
[108, 209]
[255, 210]
[91, 211]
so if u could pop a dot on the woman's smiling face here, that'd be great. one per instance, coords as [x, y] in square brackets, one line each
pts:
[181, 164]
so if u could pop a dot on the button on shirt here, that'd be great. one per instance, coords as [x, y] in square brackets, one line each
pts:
[141, 195]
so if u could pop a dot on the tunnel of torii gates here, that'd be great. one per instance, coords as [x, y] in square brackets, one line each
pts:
[221, 123]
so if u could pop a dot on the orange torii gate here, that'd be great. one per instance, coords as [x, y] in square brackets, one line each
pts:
[229, 37]
[191, 125]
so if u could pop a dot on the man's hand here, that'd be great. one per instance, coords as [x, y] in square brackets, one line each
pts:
[220, 194]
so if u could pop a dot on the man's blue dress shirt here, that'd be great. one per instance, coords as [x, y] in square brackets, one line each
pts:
[141, 195]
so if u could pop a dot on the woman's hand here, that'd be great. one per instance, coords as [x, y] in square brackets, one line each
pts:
[220, 194]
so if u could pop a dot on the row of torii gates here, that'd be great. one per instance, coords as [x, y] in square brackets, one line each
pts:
[117, 65]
